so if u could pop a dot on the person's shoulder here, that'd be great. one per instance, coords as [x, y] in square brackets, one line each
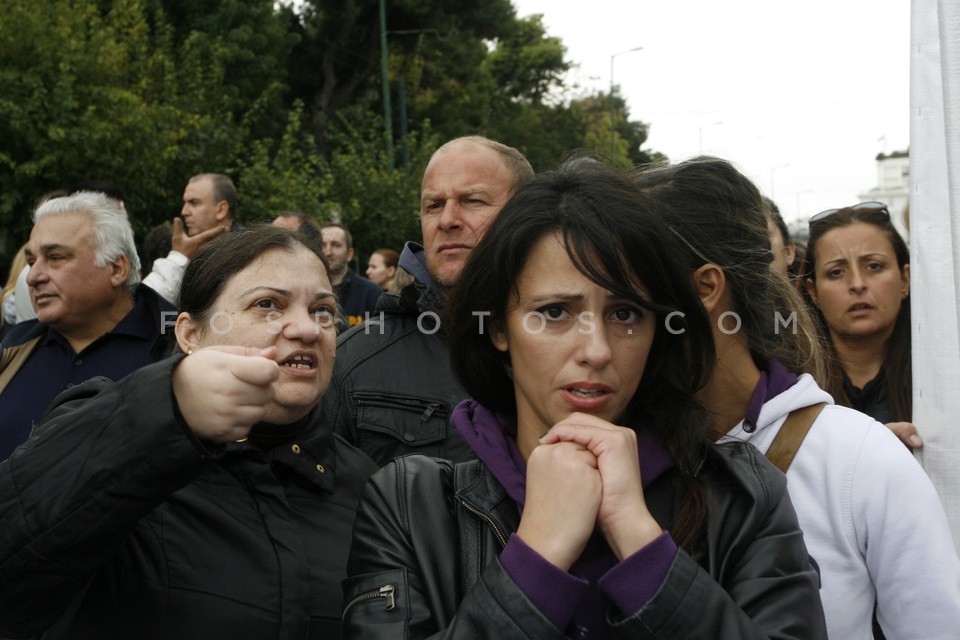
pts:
[407, 485]
[868, 448]
[417, 464]
[352, 460]
[741, 467]
[834, 415]
[367, 283]
[152, 312]
[23, 332]
[415, 474]
[850, 432]
[384, 329]
[153, 300]
[75, 396]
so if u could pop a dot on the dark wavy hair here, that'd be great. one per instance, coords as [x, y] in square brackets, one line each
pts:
[721, 218]
[215, 264]
[897, 363]
[615, 239]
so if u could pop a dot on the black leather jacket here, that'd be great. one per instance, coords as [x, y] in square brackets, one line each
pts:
[392, 390]
[428, 533]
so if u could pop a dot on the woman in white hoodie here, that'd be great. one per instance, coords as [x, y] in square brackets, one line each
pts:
[870, 516]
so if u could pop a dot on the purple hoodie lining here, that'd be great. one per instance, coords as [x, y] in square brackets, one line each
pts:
[576, 596]
[486, 433]
[773, 381]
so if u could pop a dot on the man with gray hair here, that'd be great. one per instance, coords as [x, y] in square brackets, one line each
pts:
[94, 318]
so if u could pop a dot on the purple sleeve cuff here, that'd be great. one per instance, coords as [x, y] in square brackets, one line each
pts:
[630, 584]
[553, 591]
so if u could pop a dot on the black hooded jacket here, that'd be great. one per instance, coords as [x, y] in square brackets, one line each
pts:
[392, 390]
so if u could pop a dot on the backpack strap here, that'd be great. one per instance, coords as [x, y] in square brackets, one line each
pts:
[13, 358]
[784, 446]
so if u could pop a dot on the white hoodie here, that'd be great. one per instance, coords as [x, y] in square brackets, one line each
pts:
[871, 519]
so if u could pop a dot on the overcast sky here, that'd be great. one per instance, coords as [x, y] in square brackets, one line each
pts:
[806, 94]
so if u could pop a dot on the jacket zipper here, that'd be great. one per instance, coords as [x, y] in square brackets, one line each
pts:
[387, 591]
[429, 412]
[487, 519]
[392, 402]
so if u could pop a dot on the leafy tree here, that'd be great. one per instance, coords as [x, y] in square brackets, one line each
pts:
[353, 186]
[380, 206]
[629, 135]
[247, 43]
[526, 64]
[108, 90]
[284, 175]
[437, 46]
[149, 92]
[77, 103]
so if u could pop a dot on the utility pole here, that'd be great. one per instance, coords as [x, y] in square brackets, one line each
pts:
[385, 77]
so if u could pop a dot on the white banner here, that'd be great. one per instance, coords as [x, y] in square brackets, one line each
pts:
[935, 242]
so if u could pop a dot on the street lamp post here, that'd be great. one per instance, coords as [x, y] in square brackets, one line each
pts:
[613, 133]
[385, 81]
[702, 127]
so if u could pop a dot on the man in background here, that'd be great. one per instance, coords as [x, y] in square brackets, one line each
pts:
[356, 295]
[297, 221]
[209, 201]
[94, 318]
[392, 390]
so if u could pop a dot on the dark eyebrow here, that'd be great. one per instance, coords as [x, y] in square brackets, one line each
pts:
[477, 191]
[47, 248]
[285, 292]
[560, 297]
[835, 261]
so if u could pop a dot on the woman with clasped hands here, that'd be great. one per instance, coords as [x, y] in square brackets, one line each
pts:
[202, 496]
[597, 506]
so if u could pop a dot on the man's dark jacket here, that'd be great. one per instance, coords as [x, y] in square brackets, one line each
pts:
[19, 345]
[358, 296]
[392, 390]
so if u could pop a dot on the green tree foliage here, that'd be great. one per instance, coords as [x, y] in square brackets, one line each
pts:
[437, 46]
[379, 206]
[76, 99]
[629, 135]
[284, 175]
[527, 64]
[88, 91]
[353, 186]
[242, 46]
[146, 93]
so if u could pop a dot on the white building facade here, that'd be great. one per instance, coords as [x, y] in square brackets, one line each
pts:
[893, 178]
